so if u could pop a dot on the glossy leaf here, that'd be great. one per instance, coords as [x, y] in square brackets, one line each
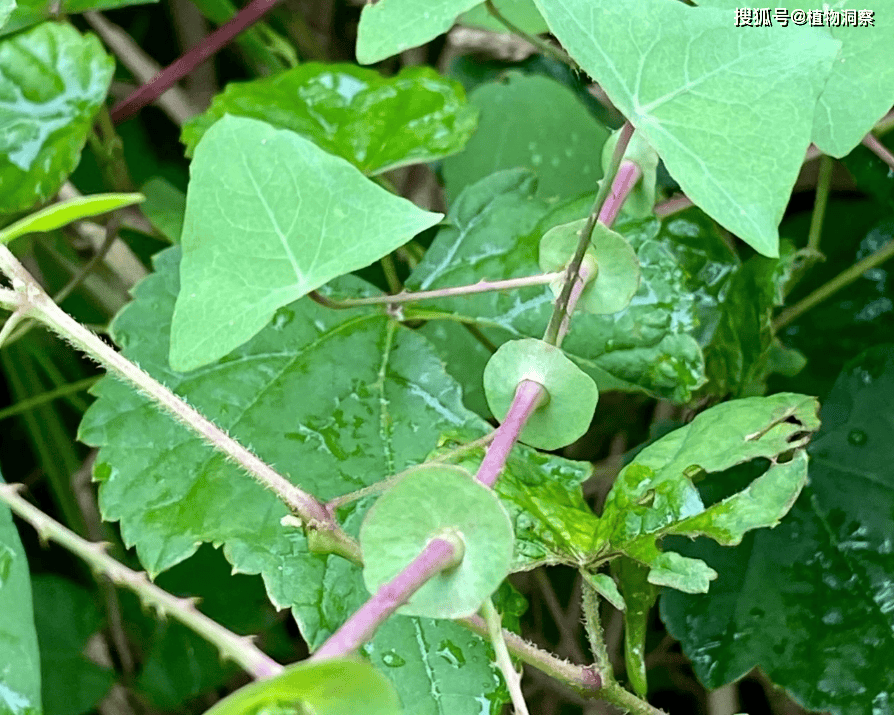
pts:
[66, 617]
[331, 687]
[533, 122]
[389, 27]
[571, 399]
[709, 71]
[66, 212]
[859, 90]
[270, 217]
[337, 399]
[810, 602]
[606, 587]
[655, 495]
[618, 275]
[428, 501]
[640, 595]
[52, 82]
[521, 13]
[31, 12]
[6, 7]
[495, 230]
[19, 655]
[377, 123]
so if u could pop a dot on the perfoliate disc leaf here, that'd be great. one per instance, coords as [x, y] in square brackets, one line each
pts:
[342, 686]
[429, 500]
[618, 276]
[572, 393]
[640, 203]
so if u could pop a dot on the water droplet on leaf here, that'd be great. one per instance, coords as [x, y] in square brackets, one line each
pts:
[857, 437]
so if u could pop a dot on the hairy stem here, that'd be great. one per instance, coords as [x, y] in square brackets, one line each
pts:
[170, 75]
[553, 330]
[237, 648]
[30, 298]
[593, 626]
[843, 279]
[481, 286]
[438, 555]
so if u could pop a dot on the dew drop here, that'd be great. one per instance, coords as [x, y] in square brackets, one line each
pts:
[282, 317]
[7, 556]
[392, 659]
[452, 653]
[857, 437]
[536, 159]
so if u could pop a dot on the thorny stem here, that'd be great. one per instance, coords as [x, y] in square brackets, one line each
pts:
[237, 648]
[593, 626]
[552, 335]
[843, 279]
[30, 298]
[481, 286]
[437, 555]
[557, 53]
[170, 75]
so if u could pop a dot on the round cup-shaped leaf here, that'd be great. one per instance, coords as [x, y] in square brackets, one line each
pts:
[429, 501]
[641, 200]
[573, 394]
[342, 686]
[618, 276]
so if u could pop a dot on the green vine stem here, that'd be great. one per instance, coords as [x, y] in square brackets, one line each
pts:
[557, 53]
[481, 286]
[239, 649]
[593, 626]
[28, 298]
[871, 142]
[33, 403]
[823, 185]
[843, 279]
[504, 662]
[553, 334]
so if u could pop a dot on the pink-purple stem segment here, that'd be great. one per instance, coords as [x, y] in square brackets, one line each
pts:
[187, 62]
[437, 555]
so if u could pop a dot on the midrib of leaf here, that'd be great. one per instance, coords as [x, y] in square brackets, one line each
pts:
[386, 432]
[424, 651]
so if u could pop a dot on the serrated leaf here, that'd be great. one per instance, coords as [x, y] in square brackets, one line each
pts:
[859, 90]
[377, 123]
[52, 82]
[494, 233]
[533, 122]
[389, 27]
[66, 212]
[31, 12]
[761, 86]
[65, 617]
[521, 13]
[810, 602]
[337, 399]
[19, 654]
[655, 494]
[269, 218]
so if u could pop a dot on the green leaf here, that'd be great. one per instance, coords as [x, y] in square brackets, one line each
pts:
[810, 602]
[655, 495]
[6, 8]
[571, 398]
[66, 212]
[66, 617]
[860, 90]
[533, 122]
[494, 231]
[269, 218]
[30, 12]
[760, 85]
[521, 13]
[639, 595]
[389, 27]
[19, 655]
[165, 207]
[377, 123]
[429, 501]
[606, 587]
[338, 400]
[52, 82]
[331, 687]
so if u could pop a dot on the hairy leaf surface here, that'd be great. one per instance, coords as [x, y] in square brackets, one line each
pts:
[810, 602]
[53, 80]
[681, 73]
[269, 218]
[377, 123]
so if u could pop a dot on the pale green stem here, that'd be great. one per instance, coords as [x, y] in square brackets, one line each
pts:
[823, 184]
[557, 53]
[843, 279]
[237, 648]
[504, 662]
[48, 396]
[481, 286]
[593, 626]
[31, 300]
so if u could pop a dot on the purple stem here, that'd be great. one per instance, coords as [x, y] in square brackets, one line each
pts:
[871, 142]
[528, 395]
[185, 64]
[360, 627]
[628, 174]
